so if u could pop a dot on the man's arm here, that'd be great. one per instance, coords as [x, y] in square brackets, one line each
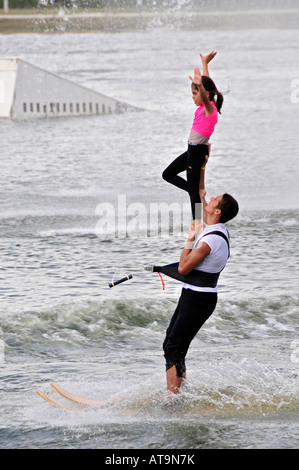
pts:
[191, 258]
[202, 191]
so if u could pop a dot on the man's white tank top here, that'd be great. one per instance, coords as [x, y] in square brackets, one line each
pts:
[216, 260]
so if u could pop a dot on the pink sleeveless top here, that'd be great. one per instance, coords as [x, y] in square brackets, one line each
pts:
[205, 125]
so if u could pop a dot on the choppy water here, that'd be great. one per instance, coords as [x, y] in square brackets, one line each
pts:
[59, 319]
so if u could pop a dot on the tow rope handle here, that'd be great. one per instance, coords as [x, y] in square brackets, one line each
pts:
[123, 279]
[129, 276]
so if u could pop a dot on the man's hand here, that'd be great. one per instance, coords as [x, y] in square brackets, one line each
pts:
[195, 230]
[198, 228]
[202, 193]
[190, 258]
[191, 236]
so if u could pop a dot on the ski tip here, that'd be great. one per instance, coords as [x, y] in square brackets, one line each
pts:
[82, 401]
[52, 402]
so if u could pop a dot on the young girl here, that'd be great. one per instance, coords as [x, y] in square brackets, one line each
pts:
[204, 93]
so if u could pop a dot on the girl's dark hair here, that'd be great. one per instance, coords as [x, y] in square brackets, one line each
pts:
[210, 86]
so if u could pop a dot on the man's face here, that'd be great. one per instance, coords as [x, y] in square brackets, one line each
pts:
[212, 206]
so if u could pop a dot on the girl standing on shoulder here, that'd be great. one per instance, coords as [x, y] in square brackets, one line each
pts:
[209, 102]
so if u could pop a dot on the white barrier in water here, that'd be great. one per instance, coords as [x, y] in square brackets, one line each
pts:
[29, 92]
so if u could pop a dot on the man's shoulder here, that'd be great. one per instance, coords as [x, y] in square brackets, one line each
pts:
[215, 228]
[213, 231]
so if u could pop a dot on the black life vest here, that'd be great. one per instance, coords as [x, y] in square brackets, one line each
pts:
[195, 277]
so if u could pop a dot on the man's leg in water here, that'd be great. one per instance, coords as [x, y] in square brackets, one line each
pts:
[174, 382]
[193, 309]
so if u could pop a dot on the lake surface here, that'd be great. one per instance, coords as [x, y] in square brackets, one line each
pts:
[59, 319]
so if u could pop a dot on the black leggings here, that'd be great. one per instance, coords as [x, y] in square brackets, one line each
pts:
[192, 311]
[190, 161]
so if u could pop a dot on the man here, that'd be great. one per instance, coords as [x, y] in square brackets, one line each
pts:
[206, 252]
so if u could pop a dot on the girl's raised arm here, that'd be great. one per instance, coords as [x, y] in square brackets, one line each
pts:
[205, 60]
[203, 94]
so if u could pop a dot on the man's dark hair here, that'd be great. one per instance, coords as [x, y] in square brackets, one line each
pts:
[229, 208]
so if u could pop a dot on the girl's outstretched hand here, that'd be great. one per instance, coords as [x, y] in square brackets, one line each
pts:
[197, 76]
[207, 58]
